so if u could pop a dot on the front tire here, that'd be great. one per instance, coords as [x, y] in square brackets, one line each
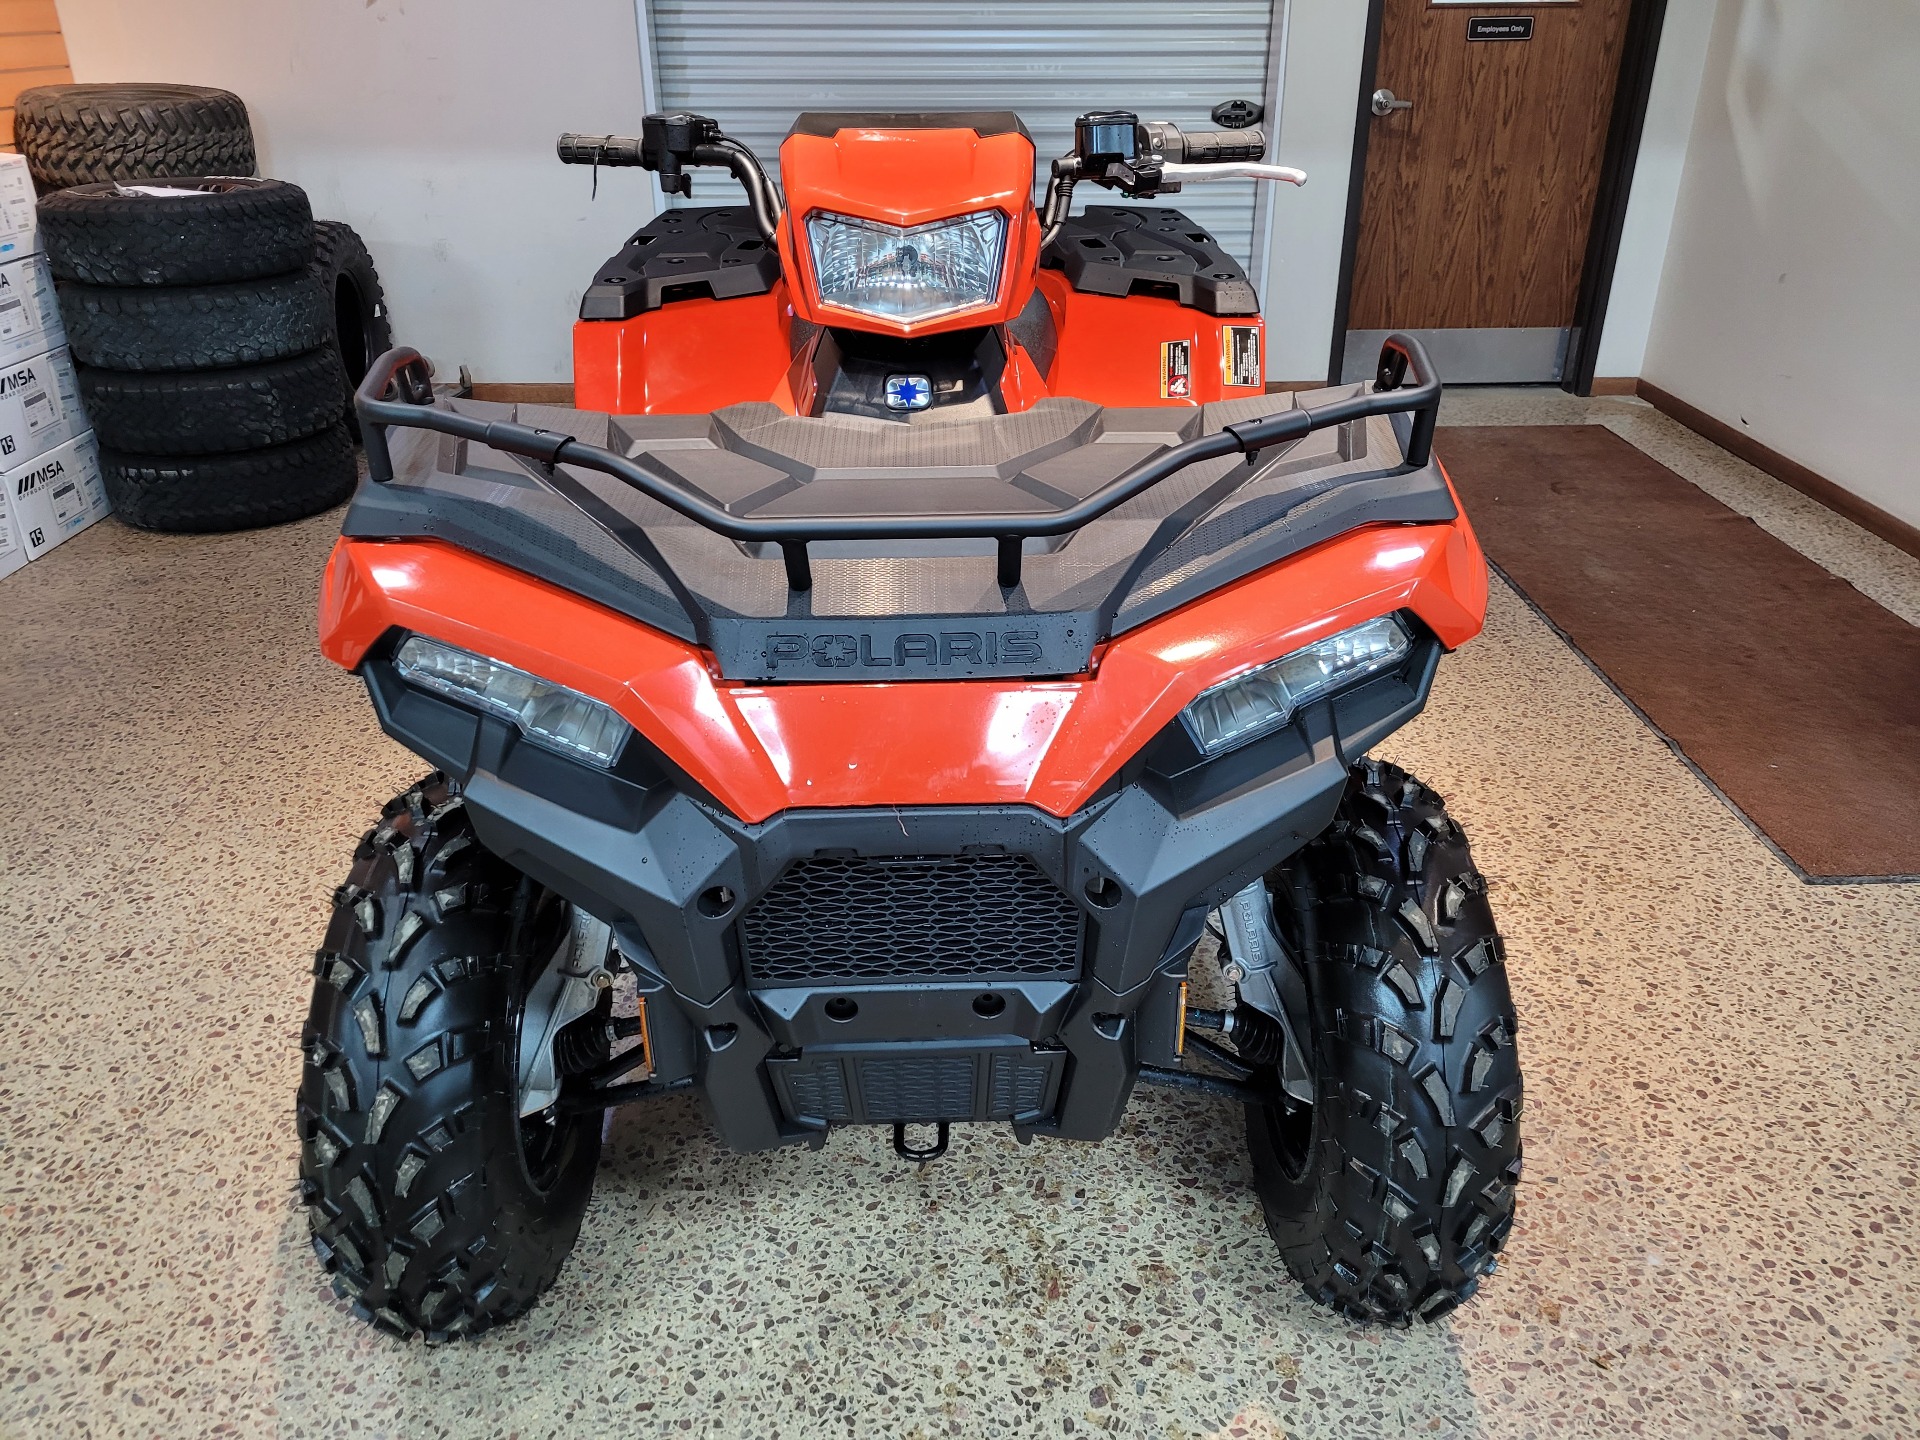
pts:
[436, 1208]
[1391, 1195]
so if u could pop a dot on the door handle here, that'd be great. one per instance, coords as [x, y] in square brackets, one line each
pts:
[1385, 102]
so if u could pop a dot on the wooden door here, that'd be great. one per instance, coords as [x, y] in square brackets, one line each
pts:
[1479, 195]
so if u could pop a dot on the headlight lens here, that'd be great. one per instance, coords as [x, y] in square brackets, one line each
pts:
[548, 714]
[913, 274]
[1260, 701]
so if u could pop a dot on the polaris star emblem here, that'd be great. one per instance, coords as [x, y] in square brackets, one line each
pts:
[909, 392]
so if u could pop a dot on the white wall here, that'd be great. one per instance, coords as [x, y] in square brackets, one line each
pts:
[1674, 96]
[1791, 293]
[428, 125]
[1325, 44]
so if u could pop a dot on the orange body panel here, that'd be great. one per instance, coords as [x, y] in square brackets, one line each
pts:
[910, 177]
[1111, 350]
[760, 749]
[687, 357]
[693, 356]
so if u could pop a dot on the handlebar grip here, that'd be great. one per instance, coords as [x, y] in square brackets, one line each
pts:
[599, 150]
[1220, 147]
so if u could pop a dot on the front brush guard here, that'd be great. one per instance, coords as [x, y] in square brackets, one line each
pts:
[1402, 360]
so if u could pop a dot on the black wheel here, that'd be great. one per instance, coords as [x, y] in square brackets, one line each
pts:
[231, 492]
[362, 329]
[1390, 1196]
[195, 327]
[80, 134]
[211, 412]
[199, 231]
[435, 1206]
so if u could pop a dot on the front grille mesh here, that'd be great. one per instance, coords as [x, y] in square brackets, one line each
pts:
[829, 1085]
[834, 919]
[911, 1088]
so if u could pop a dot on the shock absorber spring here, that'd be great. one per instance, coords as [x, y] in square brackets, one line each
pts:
[1256, 1035]
[584, 1044]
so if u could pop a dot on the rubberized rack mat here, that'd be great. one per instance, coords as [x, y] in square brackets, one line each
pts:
[1795, 696]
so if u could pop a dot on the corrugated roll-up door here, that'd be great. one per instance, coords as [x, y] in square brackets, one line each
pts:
[755, 64]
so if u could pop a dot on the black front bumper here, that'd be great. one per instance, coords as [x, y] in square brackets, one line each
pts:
[1167, 840]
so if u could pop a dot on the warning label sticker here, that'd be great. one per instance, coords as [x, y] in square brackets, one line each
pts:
[1176, 370]
[1242, 355]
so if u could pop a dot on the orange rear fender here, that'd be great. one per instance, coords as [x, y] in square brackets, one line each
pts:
[1143, 349]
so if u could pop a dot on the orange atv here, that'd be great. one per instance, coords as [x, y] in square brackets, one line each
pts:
[864, 707]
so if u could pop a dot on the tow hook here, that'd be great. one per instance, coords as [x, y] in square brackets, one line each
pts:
[906, 1152]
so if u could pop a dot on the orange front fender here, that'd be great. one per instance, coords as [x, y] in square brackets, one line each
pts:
[760, 748]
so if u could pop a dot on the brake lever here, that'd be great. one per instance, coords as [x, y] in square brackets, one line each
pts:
[1232, 170]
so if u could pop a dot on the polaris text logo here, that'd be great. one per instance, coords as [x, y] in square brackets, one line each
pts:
[944, 650]
[45, 475]
[18, 380]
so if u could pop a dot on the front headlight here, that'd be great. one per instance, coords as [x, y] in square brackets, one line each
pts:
[915, 274]
[1260, 701]
[547, 714]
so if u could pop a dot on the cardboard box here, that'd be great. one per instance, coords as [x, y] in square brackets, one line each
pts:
[55, 496]
[29, 310]
[19, 222]
[13, 552]
[39, 407]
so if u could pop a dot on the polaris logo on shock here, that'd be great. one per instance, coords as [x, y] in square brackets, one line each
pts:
[933, 650]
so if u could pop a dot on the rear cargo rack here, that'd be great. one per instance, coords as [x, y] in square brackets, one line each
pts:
[1404, 384]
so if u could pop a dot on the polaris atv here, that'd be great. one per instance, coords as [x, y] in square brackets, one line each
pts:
[863, 707]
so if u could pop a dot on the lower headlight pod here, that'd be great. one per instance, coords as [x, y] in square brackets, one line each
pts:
[1261, 701]
[547, 714]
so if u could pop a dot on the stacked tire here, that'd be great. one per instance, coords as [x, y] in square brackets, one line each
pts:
[83, 134]
[218, 329]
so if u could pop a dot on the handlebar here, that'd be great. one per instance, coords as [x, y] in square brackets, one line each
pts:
[600, 150]
[1117, 150]
[1204, 147]
[1112, 148]
[668, 143]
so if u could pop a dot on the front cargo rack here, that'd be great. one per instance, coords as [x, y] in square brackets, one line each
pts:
[1404, 384]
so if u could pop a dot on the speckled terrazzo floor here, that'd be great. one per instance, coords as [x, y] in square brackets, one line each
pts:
[1716, 1232]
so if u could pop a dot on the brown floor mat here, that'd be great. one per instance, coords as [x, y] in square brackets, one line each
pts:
[1786, 687]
